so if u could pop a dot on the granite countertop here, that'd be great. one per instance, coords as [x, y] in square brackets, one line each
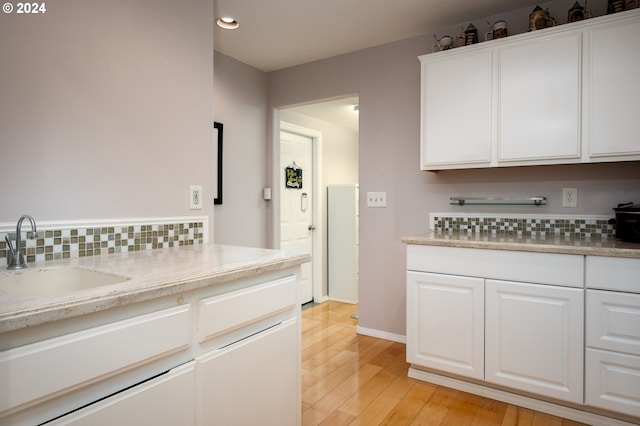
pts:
[583, 247]
[151, 274]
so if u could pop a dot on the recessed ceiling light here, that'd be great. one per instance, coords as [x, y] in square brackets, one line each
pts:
[228, 23]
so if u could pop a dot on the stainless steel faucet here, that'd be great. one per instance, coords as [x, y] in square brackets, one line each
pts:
[16, 258]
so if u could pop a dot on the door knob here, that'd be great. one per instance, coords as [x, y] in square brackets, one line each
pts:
[312, 227]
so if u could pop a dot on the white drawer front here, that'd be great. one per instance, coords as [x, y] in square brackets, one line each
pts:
[166, 400]
[62, 362]
[232, 310]
[613, 273]
[613, 321]
[613, 381]
[541, 268]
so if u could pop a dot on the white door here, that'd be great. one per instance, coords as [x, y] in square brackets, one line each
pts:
[296, 204]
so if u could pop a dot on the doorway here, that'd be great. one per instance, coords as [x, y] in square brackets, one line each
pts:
[332, 125]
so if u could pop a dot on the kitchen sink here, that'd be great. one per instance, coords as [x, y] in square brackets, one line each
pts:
[50, 282]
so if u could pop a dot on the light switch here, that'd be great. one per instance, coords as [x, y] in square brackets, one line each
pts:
[376, 199]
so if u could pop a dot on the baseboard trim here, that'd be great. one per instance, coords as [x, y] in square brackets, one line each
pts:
[381, 334]
[519, 400]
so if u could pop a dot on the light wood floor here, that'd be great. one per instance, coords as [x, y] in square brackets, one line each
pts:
[349, 379]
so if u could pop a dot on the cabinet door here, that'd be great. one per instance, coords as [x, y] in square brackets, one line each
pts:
[456, 110]
[165, 400]
[614, 89]
[255, 381]
[613, 381]
[534, 338]
[539, 100]
[445, 323]
[613, 321]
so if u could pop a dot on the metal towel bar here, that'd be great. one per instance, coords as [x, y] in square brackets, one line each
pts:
[497, 201]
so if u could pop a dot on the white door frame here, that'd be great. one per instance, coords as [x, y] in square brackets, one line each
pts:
[317, 255]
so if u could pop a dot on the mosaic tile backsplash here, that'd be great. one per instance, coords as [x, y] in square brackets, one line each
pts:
[67, 243]
[594, 228]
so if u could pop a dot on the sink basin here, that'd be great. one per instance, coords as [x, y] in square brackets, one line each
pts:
[49, 282]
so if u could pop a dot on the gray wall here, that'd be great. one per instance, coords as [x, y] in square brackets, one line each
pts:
[387, 80]
[240, 94]
[106, 110]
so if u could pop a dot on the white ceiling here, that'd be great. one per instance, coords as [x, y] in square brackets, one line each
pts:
[338, 111]
[276, 34]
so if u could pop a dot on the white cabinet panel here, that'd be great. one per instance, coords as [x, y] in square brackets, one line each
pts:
[166, 400]
[613, 321]
[253, 382]
[445, 323]
[613, 273]
[534, 339]
[539, 99]
[542, 268]
[456, 89]
[232, 310]
[614, 89]
[342, 239]
[613, 381]
[64, 362]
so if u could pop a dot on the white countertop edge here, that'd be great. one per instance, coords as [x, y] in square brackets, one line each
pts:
[19, 312]
[557, 245]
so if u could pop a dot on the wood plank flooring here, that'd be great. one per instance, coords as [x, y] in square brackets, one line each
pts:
[349, 379]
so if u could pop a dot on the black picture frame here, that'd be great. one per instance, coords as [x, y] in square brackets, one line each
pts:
[218, 129]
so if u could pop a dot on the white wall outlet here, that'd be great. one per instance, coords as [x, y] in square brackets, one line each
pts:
[195, 197]
[376, 199]
[569, 197]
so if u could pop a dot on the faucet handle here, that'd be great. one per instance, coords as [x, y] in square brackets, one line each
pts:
[7, 239]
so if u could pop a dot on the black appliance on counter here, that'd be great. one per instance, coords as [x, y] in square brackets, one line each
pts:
[628, 222]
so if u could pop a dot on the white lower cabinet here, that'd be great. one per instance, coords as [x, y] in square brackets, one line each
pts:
[509, 318]
[534, 338]
[527, 337]
[445, 323]
[168, 400]
[556, 328]
[228, 355]
[253, 381]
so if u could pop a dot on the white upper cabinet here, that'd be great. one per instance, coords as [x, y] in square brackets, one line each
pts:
[456, 110]
[539, 100]
[561, 95]
[614, 89]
